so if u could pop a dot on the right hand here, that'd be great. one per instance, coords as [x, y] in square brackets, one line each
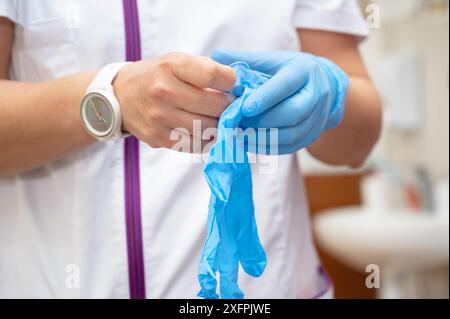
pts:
[170, 92]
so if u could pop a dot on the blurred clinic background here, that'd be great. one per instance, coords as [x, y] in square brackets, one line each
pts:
[383, 231]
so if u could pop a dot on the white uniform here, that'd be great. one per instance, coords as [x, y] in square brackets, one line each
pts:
[69, 214]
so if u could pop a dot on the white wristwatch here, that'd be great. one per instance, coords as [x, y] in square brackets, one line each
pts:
[100, 110]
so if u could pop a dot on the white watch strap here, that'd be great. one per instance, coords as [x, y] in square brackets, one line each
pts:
[102, 84]
[106, 76]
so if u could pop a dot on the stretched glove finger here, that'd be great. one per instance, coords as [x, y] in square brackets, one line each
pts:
[251, 252]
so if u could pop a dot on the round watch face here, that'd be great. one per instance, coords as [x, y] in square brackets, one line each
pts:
[97, 114]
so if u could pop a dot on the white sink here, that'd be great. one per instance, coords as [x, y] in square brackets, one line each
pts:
[397, 240]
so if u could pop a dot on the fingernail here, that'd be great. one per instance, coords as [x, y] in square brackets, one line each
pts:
[230, 97]
[249, 108]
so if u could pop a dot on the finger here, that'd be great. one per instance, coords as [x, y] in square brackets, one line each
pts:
[206, 102]
[289, 112]
[193, 124]
[161, 135]
[294, 134]
[180, 141]
[305, 141]
[281, 86]
[289, 137]
[266, 62]
[203, 72]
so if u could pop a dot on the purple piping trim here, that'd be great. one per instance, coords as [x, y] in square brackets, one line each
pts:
[136, 273]
[328, 283]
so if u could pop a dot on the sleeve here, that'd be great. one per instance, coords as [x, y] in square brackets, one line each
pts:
[343, 16]
[9, 9]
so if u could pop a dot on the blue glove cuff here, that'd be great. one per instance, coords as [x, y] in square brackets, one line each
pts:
[341, 83]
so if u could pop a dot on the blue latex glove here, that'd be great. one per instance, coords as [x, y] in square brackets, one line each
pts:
[304, 97]
[231, 235]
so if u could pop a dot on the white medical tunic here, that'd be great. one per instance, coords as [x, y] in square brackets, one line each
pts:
[62, 225]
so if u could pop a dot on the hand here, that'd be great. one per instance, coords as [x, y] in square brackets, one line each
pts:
[304, 97]
[170, 92]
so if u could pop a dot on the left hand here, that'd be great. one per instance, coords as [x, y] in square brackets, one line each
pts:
[305, 96]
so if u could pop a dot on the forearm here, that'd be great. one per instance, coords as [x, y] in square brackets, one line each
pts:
[40, 121]
[351, 142]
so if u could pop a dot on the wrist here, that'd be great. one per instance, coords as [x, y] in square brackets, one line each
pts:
[119, 85]
[340, 83]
